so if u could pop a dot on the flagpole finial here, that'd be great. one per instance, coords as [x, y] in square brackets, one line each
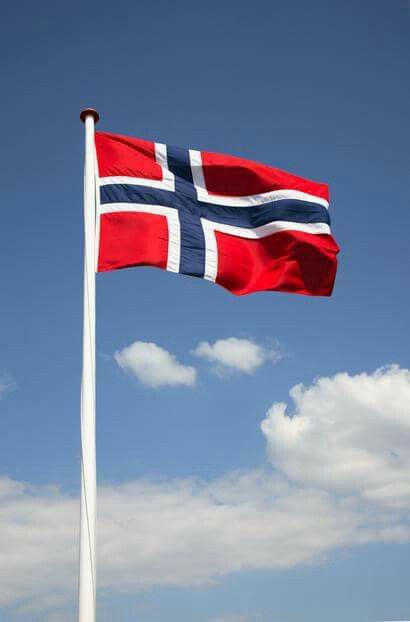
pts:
[89, 111]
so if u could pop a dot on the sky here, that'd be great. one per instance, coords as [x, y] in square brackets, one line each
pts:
[252, 452]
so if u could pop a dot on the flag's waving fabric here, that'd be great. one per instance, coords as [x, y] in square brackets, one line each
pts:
[244, 225]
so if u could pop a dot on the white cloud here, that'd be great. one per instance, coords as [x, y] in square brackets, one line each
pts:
[154, 366]
[38, 529]
[348, 434]
[242, 355]
[186, 532]
[182, 533]
[7, 383]
[233, 617]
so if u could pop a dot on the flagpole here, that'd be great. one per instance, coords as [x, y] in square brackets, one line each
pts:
[87, 571]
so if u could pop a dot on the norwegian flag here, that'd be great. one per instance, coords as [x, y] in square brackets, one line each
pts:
[244, 225]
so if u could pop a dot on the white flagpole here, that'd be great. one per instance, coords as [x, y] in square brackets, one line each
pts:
[87, 574]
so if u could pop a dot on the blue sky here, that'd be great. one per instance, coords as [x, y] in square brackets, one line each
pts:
[317, 88]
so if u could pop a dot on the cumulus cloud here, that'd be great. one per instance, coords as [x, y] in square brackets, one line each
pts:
[348, 434]
[190, 533]
[154, 366]
[243, 355]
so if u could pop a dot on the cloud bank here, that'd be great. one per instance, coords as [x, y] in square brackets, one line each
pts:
[340, 479]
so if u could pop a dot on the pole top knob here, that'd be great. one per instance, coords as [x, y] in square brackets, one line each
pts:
[89, 112]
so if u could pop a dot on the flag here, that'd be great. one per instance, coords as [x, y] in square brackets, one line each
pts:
[244, 225]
